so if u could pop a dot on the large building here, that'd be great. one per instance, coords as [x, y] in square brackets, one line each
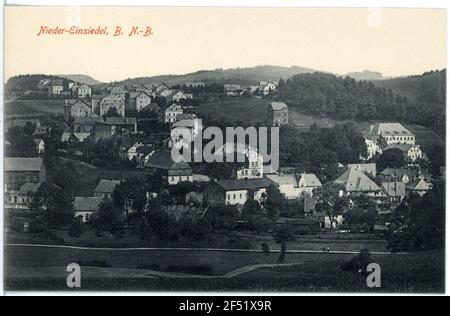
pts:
[140, 100]
[19, 171]
[236, 192]
[294, 186]
[112, 102]
[410, 152]
[171, 113]
[84, 91]
[392, 133]
[356, 182]
[76, 109]
[161, 162]
[278, 114]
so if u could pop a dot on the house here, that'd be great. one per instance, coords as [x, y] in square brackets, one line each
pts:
[112, 102]
[84, 91]
[367, 168]
[404, 175]
[19, 171]
[56, 87]
[161, 87]
[232, 89]
[161, 162]
[356, 182]
[105, 188]
[373, 148]
[395, 191]
[267, 88]
[44, 84]
[278, 113]
[140, 100]
[21, 198]
[410, 152]
[85, 124]
[179, 95]
[236, 191]
[74, 137]
[419, 186]
[392, 133]
[40, 145]
[131, 152]
[185, 130]
[171, 113]
[166, 93]
[143, 155]
[294, 186]
[76, 109]
[85, 207]
[255, 167]
[119, 91]
[115, 126]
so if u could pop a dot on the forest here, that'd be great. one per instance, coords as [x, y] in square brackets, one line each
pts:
[335, 97]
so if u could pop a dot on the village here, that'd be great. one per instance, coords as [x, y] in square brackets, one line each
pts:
[134, 129]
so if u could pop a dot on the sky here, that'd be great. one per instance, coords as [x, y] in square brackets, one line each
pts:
[395, 42]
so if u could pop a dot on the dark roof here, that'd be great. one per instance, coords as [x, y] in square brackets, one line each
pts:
[106, 186]
[394, 189]
[162, 159]
[87, 203]
[357, 181]
[23, 164]
[247, 184]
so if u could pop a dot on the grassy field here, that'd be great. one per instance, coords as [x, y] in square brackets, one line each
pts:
[44, 269]
[49, 106]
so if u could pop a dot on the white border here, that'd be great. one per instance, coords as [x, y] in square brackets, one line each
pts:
[216, 3]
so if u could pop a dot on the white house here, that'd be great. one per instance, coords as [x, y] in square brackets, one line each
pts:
[112, 102]
[170, 114]
[84, 91]
[410, 152]
[140, 100]
[267, 87]
[294, 186]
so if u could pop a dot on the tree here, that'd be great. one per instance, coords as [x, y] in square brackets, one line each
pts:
[273, 201]
[391, 158]
[418, 224]
[108, 218]
[222, 217]
[253, 216]
[282, 235]
[76, 228]
[331, 202]
[54, 203]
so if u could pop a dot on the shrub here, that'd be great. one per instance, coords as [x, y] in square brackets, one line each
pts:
[358, 263]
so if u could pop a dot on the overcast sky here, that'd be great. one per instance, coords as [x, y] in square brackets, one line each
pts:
[395, 42]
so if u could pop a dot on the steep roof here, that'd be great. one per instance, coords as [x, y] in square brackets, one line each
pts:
[369, 168]
[418, 185]
[357, 181]
[283, 179]
[23, 164]
[106, 186]
[87, 203]
[247, 184]
[311, 180]
[278, 106]
[162, 159]
[391, 129]
[394, 189]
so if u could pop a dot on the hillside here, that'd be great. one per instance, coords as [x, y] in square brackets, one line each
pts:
[82, 79]
[339, 98]
[244, 76]
[427, 88]
[26, 82]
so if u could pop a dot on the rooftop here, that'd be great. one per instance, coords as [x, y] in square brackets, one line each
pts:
[87, 203]
[106, 186]
[23, 164]
[278, 106]
[248, 184]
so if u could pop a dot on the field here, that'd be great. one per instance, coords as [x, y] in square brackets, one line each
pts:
[48, 106]
[28, 268]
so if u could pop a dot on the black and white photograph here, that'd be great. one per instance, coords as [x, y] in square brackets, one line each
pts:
[224, 150]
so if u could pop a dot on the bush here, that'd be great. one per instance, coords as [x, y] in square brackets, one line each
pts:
[76, 228]
[359, 263]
